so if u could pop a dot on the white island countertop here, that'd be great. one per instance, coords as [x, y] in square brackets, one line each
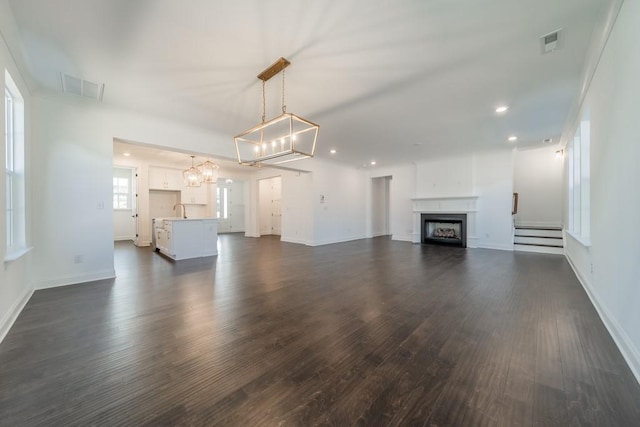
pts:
[183, 238]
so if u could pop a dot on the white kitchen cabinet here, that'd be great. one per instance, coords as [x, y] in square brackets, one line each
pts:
[164, 178]
[187, 238]
[194, 195]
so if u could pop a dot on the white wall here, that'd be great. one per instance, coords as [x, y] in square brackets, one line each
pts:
[402, 187]
[610, 269]
[341, 215]
[445, 177]
[15, 276]
[493, 184]
[538, 175]
[297, 216]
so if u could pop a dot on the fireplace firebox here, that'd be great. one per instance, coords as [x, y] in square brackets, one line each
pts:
[444, 229]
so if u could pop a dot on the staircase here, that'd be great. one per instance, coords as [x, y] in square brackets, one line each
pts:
[547, 240]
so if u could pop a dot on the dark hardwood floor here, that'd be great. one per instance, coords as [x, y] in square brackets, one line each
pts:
[371, 332]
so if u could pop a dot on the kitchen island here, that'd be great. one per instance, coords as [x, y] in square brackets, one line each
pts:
[184, 238]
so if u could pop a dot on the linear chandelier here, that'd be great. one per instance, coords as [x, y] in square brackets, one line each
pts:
[282, 139]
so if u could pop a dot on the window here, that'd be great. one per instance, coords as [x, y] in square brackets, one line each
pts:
[8, 125]
[14, 168]
[579, 181]
[121, 193]
[222, 202]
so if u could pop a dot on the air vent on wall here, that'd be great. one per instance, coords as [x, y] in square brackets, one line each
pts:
[552, 41]
[84, 88]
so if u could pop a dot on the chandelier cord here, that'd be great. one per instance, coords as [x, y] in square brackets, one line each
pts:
[264, 103]
[284, 106]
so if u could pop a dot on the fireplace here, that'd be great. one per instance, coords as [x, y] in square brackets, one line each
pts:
[444, 229]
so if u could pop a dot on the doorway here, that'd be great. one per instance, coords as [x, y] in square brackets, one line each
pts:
[380, 199]
[270, 206]
[125, 212]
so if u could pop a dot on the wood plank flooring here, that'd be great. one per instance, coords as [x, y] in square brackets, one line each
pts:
[371, 332]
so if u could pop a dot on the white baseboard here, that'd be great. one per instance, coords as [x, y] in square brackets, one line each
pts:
[623, 342]
[75, 279]
[338, 240]
[121, 238]
[16, 308]
[491, 245]
[143, 243]
[294, 240]
[403, 238]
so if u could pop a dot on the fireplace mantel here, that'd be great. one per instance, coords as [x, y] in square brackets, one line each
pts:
[453, 204]
[446, 205]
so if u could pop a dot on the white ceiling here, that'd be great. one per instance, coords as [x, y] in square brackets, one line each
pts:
[391, 81]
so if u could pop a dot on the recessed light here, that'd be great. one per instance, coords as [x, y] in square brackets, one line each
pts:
[501, 109]
[513, 138]
[126, 154]
[373, 163]
[333, 151]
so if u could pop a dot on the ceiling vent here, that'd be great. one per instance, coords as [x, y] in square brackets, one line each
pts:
[84, 88]
[552, 41]
[547, 141]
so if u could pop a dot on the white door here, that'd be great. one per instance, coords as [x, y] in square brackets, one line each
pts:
[276, 206]
[124, 204]
[270, 205]
[380, 200]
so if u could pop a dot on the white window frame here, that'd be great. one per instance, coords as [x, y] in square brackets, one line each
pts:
[15, 171]
[116, 194]
[579, 182]
[222, 202]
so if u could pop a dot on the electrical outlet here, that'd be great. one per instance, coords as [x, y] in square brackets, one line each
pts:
[77, 259]
[100, 205]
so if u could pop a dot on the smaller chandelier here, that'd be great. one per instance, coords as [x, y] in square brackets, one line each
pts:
[192, 176]
[282, 139]
[209, 172]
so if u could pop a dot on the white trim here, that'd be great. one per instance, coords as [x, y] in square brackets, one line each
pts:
[296, 241]
[379, 234]
[75, 279]
[17, 254]
[628, 350]
[496, 246]
[339, 240]
[584, 242]
[445, 198]
[14, 311]
[404, 238]
[142, 243]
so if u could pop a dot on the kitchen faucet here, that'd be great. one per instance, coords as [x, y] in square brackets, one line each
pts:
[184, 209]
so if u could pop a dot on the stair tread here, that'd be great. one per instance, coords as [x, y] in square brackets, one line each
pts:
[522, 227]
[538, 237]
[540, 244]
